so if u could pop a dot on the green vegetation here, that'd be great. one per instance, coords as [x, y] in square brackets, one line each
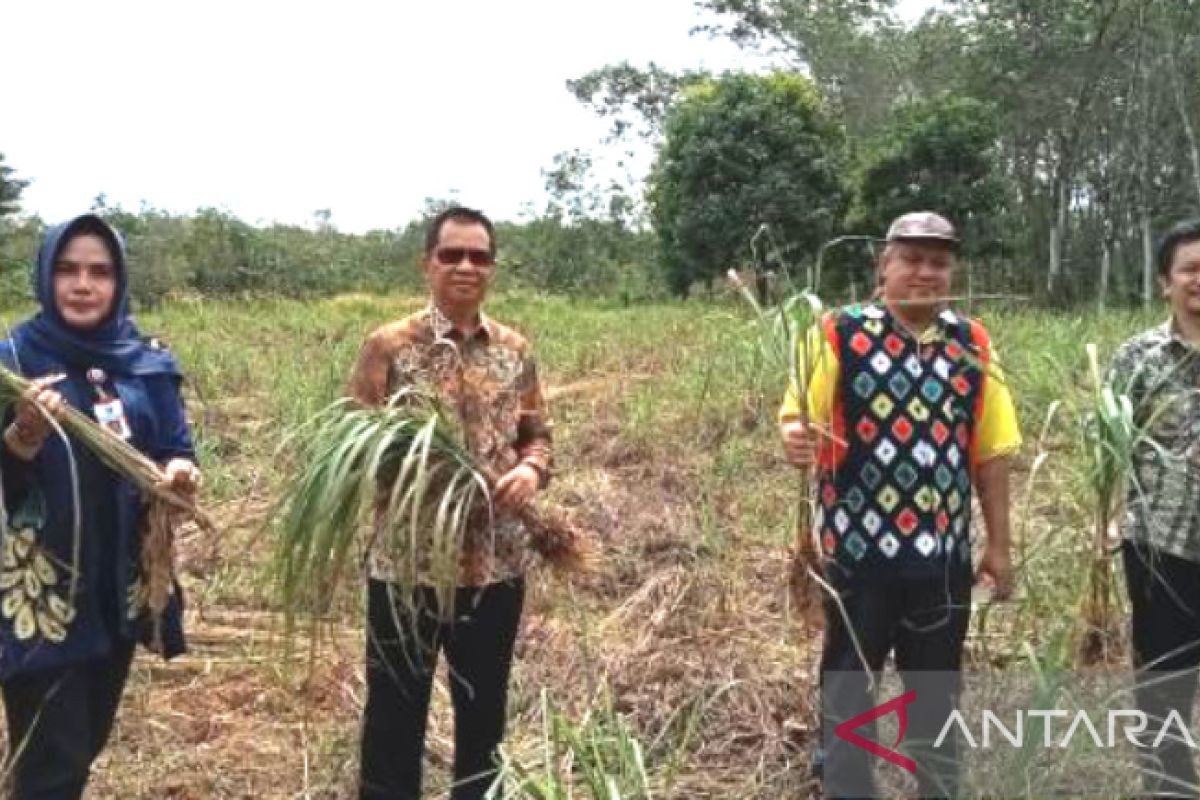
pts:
[1061, 135]
[683, 642]
[411, 452]
[740, 153]
[934, 154]
[212, 253]
[10, 189]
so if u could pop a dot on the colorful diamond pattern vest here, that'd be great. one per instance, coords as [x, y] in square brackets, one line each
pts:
[899, 495]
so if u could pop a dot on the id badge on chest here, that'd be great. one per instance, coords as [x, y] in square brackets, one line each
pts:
[111, 415]
[108, 409]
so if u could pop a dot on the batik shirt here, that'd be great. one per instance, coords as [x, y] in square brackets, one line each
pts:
[1160, 372]
[489, 379]
[913, 415]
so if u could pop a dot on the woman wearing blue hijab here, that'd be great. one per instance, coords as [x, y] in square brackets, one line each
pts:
[72, 599]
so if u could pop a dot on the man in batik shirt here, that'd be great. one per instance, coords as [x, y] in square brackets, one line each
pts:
[1159, 370]
[485, 372]
[905, 415]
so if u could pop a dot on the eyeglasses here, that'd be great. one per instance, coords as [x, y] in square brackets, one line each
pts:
[452, 256]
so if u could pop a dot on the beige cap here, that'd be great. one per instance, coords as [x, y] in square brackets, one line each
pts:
[922, 225]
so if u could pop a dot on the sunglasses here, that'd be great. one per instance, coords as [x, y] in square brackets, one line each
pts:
[452, 256]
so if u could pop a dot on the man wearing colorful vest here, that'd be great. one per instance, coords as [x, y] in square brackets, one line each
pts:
[906, 412]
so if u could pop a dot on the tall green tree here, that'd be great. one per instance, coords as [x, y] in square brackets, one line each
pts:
[744, 153]
[588, 240]
[634, 99]
[855, 50]
[1096, 105]
[934, 155]
[10, 190]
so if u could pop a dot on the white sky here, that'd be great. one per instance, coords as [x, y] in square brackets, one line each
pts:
[275, 109]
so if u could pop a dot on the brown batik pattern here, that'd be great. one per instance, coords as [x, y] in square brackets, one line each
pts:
[490, 381]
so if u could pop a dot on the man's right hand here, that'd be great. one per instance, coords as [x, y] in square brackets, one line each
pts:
[799, 443]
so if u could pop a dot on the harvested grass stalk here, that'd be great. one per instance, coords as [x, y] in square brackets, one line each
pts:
[1113, 436]
[158, 560]
[803, 586]
[117, 454]
[564, 545]
[404, 463]
[1110, 436]
[166, 509]
[790, 341]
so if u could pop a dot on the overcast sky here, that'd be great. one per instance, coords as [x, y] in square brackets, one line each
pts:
[273, 110]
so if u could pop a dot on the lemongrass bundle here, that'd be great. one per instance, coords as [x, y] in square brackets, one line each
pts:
[1110, 437]
[403, 468]
[166, 508]
[790, 341]
[804, 354]
[559, 540]
[117, 454]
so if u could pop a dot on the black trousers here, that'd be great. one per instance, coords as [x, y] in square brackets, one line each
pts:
[924, 622]
[58, 722]
[401, 659]
[1164, 592]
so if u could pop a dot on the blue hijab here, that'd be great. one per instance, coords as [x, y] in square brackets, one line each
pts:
[115, 345]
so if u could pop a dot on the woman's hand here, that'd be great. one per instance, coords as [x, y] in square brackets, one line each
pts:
[181, 475]
[30, 426]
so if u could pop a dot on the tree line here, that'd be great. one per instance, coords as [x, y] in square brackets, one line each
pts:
[1060, 135]
[211, 252]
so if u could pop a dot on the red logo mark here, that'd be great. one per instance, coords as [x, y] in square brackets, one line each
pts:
[845, 731]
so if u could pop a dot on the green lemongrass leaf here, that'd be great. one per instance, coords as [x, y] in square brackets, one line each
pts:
[445, 544]
[418, 460]
[400, 465]
[1093, 358]
[802, 311]
[340, 494]
[407, 493]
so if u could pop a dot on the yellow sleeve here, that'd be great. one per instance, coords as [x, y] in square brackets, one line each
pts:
[824, 372]
[998, 433]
